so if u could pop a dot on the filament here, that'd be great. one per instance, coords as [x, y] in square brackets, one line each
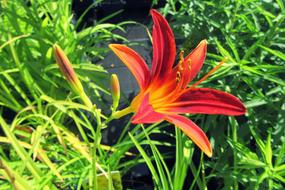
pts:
[209, 73]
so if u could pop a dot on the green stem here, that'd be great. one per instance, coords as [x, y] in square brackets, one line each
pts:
[94, 149]
[94, 168]
[203, 176]
[198, 179]
[196, 175]
[85, 99]
[119, 114]
[234, 136]
[178, 157]
[98, 129]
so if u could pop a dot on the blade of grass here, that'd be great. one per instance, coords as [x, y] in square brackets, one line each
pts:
[147, 161]
[162, 168]
[15, 179]
[20, 151]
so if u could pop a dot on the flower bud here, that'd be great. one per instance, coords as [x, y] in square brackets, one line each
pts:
[115, 90]
[70, 75]
[66, 69]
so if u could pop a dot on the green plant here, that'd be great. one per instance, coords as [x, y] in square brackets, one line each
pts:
[38, 110]
[29, 29]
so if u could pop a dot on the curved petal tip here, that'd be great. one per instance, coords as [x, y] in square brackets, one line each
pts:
[133, 61]
[192, 131]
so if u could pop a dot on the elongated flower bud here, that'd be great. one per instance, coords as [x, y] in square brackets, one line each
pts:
[70, 75]
[115, 90]
[66, 69]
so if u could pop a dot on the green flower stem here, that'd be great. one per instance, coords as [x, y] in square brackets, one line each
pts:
[85, 99]
[119, 114]
[235, 158]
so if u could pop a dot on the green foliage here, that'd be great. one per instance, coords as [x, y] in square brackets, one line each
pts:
[39, 113]
[27, 70]
[163, 176]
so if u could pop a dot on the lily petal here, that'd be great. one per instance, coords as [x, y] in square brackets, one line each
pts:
[196, 59]
[134, 62]
[164, 49]
[192, 131]
[206, 101]
[146, 113]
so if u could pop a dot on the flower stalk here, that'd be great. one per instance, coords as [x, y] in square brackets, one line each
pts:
[123, 112]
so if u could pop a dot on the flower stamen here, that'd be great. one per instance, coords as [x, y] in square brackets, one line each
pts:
[180, 66]
[209, 73]
[178, 76]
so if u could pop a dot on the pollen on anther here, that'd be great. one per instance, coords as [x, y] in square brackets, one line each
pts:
[181, 60]
[178, 76]
[180, 65]
[181, 55]
[189, 64]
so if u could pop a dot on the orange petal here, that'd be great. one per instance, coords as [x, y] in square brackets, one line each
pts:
[192, 131]
[134, 62]
[164, 49]
[206, 101]
[196, 59]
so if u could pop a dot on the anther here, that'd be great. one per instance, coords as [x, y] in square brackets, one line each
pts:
[189, 64]
[180, 65]
[178, 76]
[181, 61]
[181, 55]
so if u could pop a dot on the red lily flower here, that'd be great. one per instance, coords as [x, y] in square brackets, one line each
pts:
[163, 89]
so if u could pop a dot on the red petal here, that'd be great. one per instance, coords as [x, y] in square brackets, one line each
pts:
[207, 101]
[192, 131]
[196, 57]
[164, 49]
[146, 114]
[134, 62]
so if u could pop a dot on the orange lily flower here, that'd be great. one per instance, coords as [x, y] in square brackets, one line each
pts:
[164, 93]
